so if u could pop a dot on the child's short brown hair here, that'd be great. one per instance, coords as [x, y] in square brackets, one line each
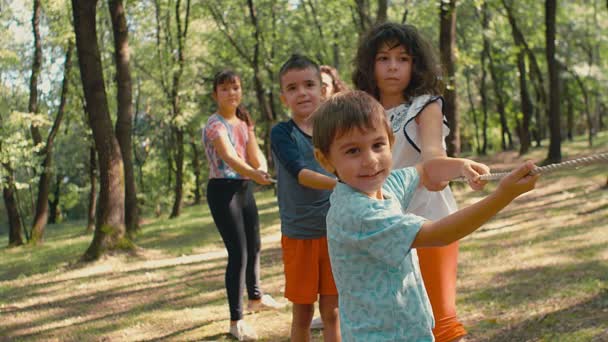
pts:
[343, 112]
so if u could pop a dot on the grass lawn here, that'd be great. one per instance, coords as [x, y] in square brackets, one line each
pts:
[536, 272]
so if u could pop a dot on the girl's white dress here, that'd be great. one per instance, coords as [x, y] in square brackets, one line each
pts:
[432, 205]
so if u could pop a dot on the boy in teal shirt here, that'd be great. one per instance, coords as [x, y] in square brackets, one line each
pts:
[371, 239]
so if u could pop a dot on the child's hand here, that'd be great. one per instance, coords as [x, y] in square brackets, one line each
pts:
[472, 170]
[519, 181]
[261, 177]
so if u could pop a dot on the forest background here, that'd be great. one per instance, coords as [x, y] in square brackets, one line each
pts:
[102, 103]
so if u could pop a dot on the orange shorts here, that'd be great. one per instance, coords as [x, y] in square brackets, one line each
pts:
[307, 270]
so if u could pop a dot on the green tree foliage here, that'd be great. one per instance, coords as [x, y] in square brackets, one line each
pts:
[254, 38]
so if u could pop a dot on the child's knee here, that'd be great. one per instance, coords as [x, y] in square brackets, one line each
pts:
[328, 307]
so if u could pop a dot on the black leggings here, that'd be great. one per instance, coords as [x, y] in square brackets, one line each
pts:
[235, 214]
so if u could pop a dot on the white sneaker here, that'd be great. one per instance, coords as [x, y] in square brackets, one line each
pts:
[243, 331]
[265, 303]
[316, 324]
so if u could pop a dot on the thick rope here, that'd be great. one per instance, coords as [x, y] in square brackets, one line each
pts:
[598, 158]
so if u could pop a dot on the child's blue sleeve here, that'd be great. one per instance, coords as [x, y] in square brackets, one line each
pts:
[285, 149]
[388, 236]
[403, 184]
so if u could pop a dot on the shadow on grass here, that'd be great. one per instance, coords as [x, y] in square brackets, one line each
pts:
[541, 283]
[179, 292]
[586, 321]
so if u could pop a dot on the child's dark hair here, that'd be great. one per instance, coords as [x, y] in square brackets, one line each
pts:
[229, 76]
[337, 82]
[425, 78]
[343, 112]
[298, 62]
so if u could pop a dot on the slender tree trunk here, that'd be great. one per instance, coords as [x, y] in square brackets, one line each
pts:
[474, 113]
[526, 106]
[196, 167]
[42, 201]
[178, 132]
[570, 116]
[12, 211]
[54, 204]
[124, 123]
[92, 207]
[36, 65]
[555, 152]
[485, 22]
[447, 45]
[505, 132]
[110, 232]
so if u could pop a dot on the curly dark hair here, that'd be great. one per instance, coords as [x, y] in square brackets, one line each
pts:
[337, 82]
[426, 73]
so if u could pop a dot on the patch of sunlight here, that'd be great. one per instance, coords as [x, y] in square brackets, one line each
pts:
[269, 210]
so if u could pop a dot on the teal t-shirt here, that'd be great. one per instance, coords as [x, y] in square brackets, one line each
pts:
[381, 292]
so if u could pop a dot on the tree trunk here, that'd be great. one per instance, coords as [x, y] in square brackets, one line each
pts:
[179, 172]
[36, 65]
[447, 45]
[14, 220]
[54, 204]
[42, 201]
[555, 153]
[110, 232]
[178, 132]
[526, 106]
[505, 132]
[482, 86]
[196, 166]
[93, 191]
[124, 122]
[569, 117]
[474, 113]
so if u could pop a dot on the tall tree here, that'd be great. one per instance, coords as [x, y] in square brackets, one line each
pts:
[110, 232]
[447, 45]
[36, 65]
[527, 107]
[364, 18]
[92, 202]
[555, 152]
[44, 182]
[124, 122]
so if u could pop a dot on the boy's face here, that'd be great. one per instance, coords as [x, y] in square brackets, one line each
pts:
[392, 69]
[301, 91]
[361, 159]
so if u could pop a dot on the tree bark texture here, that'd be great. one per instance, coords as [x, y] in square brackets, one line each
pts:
[178, 132]
[42, 201]
[36, 65]
[14, 220]
[92, 207]
[196, 168]
[447, 44]
[124, 122]
[54, 204]
[109, 229]
[555, 154]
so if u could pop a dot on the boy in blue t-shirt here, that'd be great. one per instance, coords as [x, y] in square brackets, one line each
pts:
[303, 194]
[371, 238]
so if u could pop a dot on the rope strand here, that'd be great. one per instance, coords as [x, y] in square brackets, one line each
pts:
[598, 158]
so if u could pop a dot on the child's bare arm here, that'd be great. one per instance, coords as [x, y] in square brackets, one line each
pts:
[463, 222]
[316, 180]
[436, 173]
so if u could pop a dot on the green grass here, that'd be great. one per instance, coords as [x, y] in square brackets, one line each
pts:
[536, 272]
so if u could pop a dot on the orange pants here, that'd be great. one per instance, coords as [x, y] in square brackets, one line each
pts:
[438, 266]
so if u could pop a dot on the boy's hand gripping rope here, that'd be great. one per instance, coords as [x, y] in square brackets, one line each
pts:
[598, 158]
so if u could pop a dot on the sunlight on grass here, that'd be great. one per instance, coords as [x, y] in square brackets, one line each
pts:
[538, 271]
